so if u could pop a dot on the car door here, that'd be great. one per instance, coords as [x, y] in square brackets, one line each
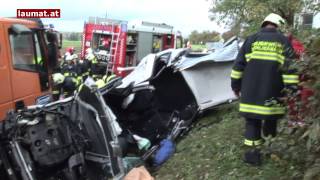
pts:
[5, 78]
[25, 79]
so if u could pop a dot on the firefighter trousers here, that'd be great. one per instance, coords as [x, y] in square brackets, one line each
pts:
[254, 127]
[56, 90]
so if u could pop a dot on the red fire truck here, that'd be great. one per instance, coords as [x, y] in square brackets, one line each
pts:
[121, 44]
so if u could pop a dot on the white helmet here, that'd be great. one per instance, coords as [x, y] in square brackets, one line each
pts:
[275, 19]
[58, 78]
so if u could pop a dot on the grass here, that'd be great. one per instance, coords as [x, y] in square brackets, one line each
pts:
[198, 47]
[75, 44]
[213, 149]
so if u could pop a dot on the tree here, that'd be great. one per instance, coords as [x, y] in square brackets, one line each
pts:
[250, 13]
[196, 38]
[193, 37]
[72, 36]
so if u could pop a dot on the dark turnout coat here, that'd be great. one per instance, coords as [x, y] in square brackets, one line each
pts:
[261, 72]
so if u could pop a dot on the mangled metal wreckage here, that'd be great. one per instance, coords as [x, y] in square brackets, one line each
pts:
[94, 134]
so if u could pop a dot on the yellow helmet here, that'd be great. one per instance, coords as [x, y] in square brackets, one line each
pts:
[274, 18]
[58, 78]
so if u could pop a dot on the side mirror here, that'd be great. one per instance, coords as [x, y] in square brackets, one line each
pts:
[20, 29]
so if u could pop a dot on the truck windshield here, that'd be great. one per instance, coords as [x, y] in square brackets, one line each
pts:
[28, 55]
[23, 53]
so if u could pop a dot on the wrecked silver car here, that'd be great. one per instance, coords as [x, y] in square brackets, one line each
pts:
[103, 133]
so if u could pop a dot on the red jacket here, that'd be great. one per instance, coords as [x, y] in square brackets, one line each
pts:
[297, 46]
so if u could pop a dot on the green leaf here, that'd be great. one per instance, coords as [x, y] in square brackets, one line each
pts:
[312, 173]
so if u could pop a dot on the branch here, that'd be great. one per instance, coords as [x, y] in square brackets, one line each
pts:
[282, 13]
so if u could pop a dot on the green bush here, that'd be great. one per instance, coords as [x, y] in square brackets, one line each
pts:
[302, 145]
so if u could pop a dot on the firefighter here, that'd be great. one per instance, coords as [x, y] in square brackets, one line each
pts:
[86, 64]
[69, 51]
[97, 70]
[105, 80]
[108, 78]
[156, 45]
[76, 68]
[58, 80]
[105, 43]
[64, 86]
[69, 71]
[67, 55]
[91, 64]
[69, 68]
[258, 77]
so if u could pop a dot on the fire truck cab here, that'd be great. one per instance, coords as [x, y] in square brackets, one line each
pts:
[24, 64]
[121, 44]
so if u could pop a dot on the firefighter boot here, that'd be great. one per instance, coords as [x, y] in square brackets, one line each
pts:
[253, 157]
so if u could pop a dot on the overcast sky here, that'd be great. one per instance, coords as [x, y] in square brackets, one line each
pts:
[184, 15]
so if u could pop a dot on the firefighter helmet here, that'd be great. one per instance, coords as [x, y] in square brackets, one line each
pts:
[273, 18]
[58, 78]
[70, 50]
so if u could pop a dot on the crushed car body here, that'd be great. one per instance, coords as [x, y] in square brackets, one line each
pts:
[103, 133]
